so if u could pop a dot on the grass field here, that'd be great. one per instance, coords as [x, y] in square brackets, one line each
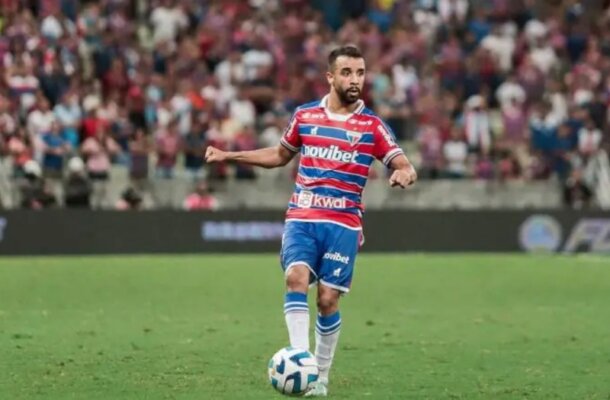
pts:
[203, 327]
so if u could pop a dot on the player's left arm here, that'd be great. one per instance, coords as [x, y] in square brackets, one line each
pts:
[389, 152]
[404, 173]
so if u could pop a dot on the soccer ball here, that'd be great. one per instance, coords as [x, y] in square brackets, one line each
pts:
[292, 371]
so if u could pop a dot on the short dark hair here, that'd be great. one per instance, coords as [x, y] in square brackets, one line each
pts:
[348, 51]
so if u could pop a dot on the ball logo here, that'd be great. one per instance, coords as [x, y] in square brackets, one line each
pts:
[540, 233]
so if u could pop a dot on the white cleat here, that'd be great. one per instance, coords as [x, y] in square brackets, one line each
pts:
[319, 389]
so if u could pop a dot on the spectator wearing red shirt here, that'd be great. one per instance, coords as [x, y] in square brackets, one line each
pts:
[201, 199]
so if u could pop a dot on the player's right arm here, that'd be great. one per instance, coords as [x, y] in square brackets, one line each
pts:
[268, 157]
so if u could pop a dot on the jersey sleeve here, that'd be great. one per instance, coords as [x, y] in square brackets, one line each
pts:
[385, 147]
[291, 138]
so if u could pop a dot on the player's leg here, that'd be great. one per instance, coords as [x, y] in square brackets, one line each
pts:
[335, 276]
[328, 327]
[298, 257]
[296, 309]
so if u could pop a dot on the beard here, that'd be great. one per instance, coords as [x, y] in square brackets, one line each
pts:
[348, 96]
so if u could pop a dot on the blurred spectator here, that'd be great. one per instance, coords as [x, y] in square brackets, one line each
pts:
[455, 151]
[77, 187]
[543, 56]
[34, 192]
[241, 109]
[561, 154]
[39, 122]
[68, 114]
[54, 148]
[476, 125]
[453, 12]
[201, 199]
[589, 139]
[168, 145]
[130, 200]
[194, 150]
[22, 85]
[20, 149]
[245, 140]
[510, 93]
[122, 130]
[430, 147]
[54, 82]
[502, 45]
[139, 150]
[97, 151]
[167, 20]
[576, 193]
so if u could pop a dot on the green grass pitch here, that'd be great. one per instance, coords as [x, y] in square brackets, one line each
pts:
[203, 327]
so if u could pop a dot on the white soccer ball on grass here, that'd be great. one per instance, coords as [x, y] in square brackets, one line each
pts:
[292, 371]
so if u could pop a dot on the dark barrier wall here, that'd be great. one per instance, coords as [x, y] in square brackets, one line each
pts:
[85, 232]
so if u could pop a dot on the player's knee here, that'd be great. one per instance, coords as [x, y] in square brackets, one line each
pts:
[297, 279]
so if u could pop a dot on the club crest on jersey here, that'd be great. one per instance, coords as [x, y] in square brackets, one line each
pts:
[354, 137]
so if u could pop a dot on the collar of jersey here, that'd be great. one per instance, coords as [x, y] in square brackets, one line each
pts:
[340, 117]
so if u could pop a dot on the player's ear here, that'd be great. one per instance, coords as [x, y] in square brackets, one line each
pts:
[330, 77]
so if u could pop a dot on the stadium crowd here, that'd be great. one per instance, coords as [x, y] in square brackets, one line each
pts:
[490, 90]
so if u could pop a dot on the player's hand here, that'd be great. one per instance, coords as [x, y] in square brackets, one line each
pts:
[403, 177]
[212, 154]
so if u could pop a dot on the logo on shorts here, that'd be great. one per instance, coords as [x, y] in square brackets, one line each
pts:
[336, 256]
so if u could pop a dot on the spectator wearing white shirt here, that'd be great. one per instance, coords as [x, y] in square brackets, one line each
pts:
[502, 46]
[535, 30]
[476, 125]
[39, 122]
[257, 60]
[455, 153]
[557, 98]
[181, 107]
[543, 56]
[453, 11]
[167, 20]
[589, 139]
[231, 71]
[242, 110]
[510, 91]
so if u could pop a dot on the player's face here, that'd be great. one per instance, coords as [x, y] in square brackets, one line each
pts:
[347, 78]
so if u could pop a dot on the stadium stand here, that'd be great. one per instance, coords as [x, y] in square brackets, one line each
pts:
[500, 104]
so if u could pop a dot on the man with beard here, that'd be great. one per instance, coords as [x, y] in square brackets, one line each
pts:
[338, 140]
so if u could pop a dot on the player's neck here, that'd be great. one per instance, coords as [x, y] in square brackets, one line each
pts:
[335, 106]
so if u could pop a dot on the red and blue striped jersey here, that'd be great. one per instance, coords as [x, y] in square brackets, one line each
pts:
[336, 154]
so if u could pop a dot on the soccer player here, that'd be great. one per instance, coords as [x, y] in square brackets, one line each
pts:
[338, 140]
